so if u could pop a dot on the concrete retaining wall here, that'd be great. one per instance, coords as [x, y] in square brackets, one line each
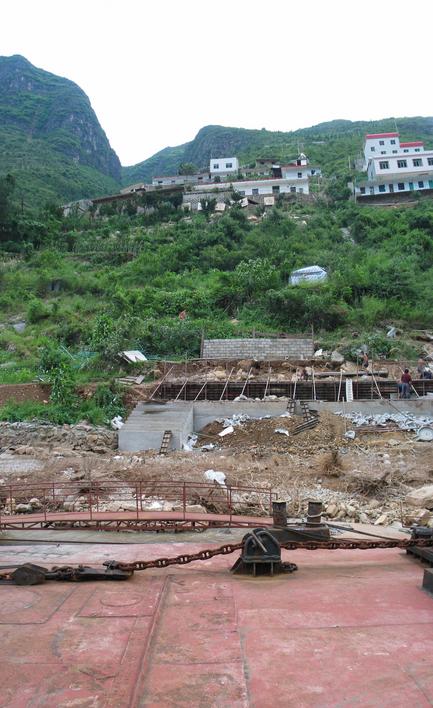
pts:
[207, 411]
[258, 349]
[146, 425]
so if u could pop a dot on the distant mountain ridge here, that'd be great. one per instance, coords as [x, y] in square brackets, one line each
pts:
[329, 144]
[52, 142]
[48, 129]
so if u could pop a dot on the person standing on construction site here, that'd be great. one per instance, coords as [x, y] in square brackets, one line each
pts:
[404, 385]
[365, 361]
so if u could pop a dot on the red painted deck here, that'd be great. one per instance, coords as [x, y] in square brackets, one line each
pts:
[350, 628]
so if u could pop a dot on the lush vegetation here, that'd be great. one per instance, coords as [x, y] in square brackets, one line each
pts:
[101, 285]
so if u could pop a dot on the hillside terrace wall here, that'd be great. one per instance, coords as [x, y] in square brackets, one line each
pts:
[260, 349]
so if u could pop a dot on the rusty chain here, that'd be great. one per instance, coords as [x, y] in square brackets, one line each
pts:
[333, 545]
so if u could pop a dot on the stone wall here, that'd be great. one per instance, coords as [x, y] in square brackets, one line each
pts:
[76, 437]
[260, 349]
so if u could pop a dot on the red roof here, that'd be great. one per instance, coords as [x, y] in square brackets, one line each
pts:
[414, 143]
[381, 135]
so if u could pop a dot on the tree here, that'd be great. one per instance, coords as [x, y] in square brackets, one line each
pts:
[7, 186]
[187, 168]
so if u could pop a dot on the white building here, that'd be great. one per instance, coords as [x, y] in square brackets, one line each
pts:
[165, 180]
[223, 166]
[266, 185]
[393, 166]
[310, 274]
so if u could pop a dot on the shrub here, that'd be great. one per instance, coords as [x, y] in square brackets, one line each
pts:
[37, 311]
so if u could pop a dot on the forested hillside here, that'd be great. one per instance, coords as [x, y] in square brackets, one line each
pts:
[50, 137]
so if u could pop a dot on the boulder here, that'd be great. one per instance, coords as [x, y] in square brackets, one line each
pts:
[23, 508]
[421, 497]
[336, 357]
[331, 510]
[195, 508]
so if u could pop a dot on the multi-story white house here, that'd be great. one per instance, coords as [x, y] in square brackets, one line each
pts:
[393, 166]
[223, 166]
[290, 178]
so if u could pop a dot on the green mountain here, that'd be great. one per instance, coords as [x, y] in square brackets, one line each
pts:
[327, 144]
[50, 137]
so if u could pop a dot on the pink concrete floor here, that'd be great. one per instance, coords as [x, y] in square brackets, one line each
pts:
[350, 628]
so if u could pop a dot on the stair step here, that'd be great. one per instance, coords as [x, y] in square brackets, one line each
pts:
[166, 440]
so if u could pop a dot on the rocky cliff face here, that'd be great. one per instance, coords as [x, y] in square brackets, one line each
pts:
[42, 106]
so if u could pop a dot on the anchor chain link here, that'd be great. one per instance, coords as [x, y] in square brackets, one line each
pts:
[333, 545]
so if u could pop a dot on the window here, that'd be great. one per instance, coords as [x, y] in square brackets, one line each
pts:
[301, 190]
[160, 181]
[421, 185]
[381, 187]
[293, 189]
[173, 181]
[417, 150]
[242, 192]
[373, 149]
[381, 142]
[255, 191]
[394, 152]
[371, 190]
[417, 162]
[228, 165]
[200, 178]
[275, 189]
[401, 186]
[391, 188]
[405, 150]
[384, 165]
[430, 161]
[383, 152]
[392, 142]
[362, 190]
[401, 163]
[216, 167]
[299, 175]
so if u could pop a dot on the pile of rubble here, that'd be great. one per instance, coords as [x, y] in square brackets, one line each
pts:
[416, 507]
[275, 434]
[401, 421]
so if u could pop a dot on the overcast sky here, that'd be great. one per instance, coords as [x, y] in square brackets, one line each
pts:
[156, 72]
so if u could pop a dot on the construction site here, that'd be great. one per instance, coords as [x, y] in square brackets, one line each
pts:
[269, 511]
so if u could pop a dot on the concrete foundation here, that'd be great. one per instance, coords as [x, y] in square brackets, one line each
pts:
[148, 421]
[146, 424]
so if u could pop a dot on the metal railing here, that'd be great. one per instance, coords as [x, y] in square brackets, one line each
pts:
[137, 497]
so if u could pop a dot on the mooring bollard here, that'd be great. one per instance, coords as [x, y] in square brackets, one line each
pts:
[314, 513]
[279, 513]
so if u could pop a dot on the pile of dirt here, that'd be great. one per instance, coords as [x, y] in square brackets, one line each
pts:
[261, 434]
